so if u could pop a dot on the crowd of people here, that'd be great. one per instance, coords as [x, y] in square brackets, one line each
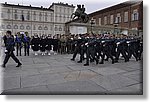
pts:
[90, 47]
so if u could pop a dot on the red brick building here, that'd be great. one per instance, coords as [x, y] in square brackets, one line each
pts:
[126, 18]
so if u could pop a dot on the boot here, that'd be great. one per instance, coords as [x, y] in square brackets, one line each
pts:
[86, 64]
[3, 65]
[79, 62]
[19, 64]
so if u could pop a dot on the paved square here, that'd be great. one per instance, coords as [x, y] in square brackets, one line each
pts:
[56, 74]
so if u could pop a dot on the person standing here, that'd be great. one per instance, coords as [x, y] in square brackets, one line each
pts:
[35, 44]
[49, 44]
[43, 44]
[18, 44]
[9, 50]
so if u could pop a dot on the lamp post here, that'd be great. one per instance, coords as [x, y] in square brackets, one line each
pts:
[92, 22]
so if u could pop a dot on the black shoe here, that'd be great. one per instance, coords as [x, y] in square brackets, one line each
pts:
[19, 64]
[72, 59]
[127, 60]
[101, 63]
[86, 64]
[3, 66]
[106, 59]
[79, 62]
[97, 61]
[113, 62]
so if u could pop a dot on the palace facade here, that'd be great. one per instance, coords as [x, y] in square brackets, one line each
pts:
[35, 20]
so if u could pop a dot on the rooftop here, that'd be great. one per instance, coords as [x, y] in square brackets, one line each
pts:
[118, 6]
[24, 6]
[62, 4]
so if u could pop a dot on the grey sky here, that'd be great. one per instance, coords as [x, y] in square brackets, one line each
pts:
[90, 5]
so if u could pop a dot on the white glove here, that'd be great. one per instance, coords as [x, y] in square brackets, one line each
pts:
[86, 43]
[128, 42]
[103, 41]
[118, 43]
[6, 50]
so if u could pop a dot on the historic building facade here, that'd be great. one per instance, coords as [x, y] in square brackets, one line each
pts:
[124, 18]
[35, 20]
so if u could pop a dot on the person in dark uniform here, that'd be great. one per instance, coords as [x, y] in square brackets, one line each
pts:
[43, 44]
[26, 43]
[35, 44]
[4, 38]
[133, 46]
[121, 49]
[49, 44]
[55, 44]
[107, 48]
[18, 44]
[78, 41]
[91, 51]
[9, 50]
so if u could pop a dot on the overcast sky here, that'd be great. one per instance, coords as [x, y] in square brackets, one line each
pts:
[90, 5]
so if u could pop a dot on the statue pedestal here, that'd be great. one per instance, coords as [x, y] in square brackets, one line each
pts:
[76, 28]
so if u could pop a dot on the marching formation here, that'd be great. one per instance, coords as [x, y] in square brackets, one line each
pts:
[96, 47]
[90, 47]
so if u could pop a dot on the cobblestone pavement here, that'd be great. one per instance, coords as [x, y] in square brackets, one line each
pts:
[57, 74]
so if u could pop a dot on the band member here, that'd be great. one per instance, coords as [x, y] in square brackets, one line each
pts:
[35, 44]
[9, 50]
[43, 44]
[49, 44]
[55, 44]
[26, 41]
[18, 44]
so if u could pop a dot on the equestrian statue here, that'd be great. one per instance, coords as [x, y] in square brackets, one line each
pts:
[80, 14]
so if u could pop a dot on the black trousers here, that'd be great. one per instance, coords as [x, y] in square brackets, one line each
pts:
[107, 52]
[26, 49]
[18, 49]
[8, 55]
[123, 52]
[90, 52]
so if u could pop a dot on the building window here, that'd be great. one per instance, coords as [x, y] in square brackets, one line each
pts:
[125, 16]
[40, 16]
[64, 10]
[21, 27]
[22, 16]
[68, 10]
[28, 27]
[135, 15]
[2, 15]
[45, 28]
[8, 26]
[34, 16]
[15, 27]
[111, 19]
[100, 21]
[39, 28]
[28, 15]
[60, 18]
[105, 20]
[8, 13]
[46, 16]
[56, 29]
[16, 16]
[118, 18]
[34, 27]
[60, 9]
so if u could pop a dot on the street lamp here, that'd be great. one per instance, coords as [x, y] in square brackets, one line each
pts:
[92, 21]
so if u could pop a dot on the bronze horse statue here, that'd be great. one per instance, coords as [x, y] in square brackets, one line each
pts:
[80, 14]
